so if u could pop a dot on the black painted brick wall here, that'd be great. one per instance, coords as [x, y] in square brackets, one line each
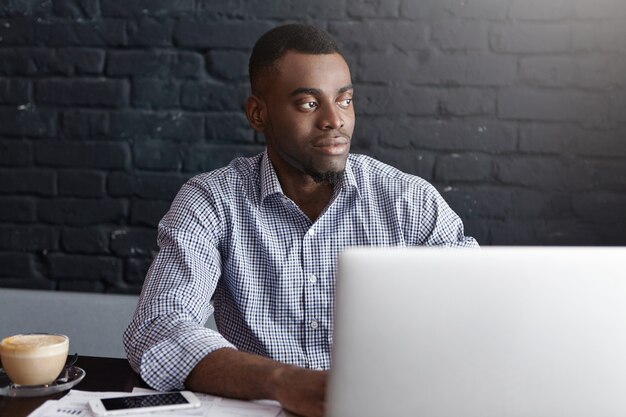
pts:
[514, 109]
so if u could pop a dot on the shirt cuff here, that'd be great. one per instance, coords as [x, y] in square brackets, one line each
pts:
[166, 365]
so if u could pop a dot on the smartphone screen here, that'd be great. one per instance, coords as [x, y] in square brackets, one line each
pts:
[143, 401]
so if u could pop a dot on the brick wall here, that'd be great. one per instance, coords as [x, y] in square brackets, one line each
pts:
[514, 109]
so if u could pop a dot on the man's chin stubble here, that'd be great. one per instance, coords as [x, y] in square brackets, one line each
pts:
[331, 177]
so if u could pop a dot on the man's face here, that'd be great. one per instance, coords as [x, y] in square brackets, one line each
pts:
[309, 116]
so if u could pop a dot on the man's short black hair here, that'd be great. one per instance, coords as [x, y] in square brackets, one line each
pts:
[293, 37]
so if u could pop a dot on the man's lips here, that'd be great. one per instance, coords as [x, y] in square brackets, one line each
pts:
[332, 146]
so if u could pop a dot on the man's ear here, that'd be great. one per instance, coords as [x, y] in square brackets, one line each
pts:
[256, 113]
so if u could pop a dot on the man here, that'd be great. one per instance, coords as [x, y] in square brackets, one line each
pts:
[261, 236]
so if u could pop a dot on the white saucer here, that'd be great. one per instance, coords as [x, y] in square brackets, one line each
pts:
[9, 389]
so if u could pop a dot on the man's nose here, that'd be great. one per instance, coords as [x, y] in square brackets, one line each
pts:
[331, 118]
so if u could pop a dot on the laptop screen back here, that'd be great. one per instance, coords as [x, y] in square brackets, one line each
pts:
[500, 332]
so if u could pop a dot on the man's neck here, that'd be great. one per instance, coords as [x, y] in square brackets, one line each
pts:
[312, 197]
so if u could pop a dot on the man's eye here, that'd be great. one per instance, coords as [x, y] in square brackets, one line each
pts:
[309, 105]
[345, 103]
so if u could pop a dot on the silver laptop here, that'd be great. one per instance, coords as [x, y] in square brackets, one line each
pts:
[494, 332]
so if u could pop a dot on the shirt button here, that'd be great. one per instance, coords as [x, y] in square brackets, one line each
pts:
[314, 324]
[312, 278]
[311, 232]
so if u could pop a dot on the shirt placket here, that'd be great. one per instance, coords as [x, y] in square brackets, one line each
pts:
[314, 321]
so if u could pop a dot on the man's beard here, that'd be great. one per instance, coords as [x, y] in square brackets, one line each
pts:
[331, 177]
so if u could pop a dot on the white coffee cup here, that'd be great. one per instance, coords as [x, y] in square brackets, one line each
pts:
[34, 358]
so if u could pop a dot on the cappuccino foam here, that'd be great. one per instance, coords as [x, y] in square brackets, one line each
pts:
[34, 345]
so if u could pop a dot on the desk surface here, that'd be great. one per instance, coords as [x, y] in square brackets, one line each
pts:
[102, 374]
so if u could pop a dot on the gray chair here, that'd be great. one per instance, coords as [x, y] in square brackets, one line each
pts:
[93, 322]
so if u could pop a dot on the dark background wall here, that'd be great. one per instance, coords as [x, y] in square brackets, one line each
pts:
[514, 109]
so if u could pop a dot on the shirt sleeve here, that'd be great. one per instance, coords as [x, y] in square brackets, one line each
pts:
[439, 225]
[167, 338]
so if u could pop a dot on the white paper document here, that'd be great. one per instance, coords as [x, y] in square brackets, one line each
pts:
[76, 404]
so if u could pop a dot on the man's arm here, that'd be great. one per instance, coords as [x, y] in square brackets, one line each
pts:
[231, 373]
[167, 338]
[439, 225]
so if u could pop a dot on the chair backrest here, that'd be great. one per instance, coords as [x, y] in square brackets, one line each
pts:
[93, 322]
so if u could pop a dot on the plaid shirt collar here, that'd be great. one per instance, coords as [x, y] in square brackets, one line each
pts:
[270, 184]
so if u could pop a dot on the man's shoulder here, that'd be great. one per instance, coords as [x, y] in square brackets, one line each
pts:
[239, 171]
[368, 170]
[210, 194]
[237, 181]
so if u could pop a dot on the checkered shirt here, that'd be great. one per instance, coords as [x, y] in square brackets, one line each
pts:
[233, 237]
